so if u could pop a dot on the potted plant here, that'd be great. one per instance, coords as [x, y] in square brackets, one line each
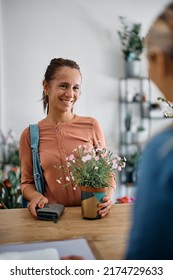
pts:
[10, 172]
[92, 170]
[132, 46]
[131, 167]
[127, 134]
[10, 194]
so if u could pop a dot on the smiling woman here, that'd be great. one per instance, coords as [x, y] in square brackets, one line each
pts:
[60, 133]
[61, 83]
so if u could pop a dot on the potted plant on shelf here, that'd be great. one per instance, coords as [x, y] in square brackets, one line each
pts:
[93, 171]
[132, 46]
[128, 134]
[130, 171]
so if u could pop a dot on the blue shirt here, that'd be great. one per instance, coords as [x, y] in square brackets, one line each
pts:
[151, 235]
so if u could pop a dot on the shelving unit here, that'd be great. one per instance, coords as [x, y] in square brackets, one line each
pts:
[136, 113]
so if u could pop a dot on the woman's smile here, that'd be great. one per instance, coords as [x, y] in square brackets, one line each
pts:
[66, 101]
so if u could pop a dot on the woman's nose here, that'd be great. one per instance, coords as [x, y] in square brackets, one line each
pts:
[69, 92]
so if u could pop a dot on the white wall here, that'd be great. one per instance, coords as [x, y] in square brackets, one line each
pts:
[35, 31]
[1, 106]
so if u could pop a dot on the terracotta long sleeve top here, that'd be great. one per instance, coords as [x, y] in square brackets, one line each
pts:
[56, 143]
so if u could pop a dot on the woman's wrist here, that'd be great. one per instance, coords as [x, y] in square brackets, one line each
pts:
[31, 193]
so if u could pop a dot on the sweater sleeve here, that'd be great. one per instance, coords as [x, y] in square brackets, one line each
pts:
[98, 135]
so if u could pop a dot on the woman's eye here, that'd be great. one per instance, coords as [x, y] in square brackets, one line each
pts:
[63, 86]
[76, 88]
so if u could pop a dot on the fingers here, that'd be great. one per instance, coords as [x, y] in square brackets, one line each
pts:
[38, 201]
[42, 202]
[106, 198]
[72, 257]
[105, 206]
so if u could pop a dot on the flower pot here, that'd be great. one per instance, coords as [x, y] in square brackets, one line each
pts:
[90, 198]
[130, 176]
[132, 68]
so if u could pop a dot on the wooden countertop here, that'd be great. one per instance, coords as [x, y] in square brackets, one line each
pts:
[107, 237]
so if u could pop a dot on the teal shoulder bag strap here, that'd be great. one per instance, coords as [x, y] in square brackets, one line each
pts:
[37, 170]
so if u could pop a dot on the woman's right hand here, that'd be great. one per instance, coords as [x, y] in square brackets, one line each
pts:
[38, 201]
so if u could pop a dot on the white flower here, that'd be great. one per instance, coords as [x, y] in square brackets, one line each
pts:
[86, 158]
[58, 181]
[83, 159]
[115, 165]
[119, 168]
[67, 178]
[71, 157]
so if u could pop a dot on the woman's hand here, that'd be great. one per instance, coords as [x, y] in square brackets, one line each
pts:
[38, 201]
[72, 257]
[105, 205]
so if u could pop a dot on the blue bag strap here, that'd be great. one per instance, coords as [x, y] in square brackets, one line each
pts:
[24, 202]
[34, 136]
[37, 170]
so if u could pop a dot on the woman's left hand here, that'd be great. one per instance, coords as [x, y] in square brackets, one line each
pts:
[105, 206]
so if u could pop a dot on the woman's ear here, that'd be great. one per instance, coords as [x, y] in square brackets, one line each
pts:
[45, 86]
[162, 65]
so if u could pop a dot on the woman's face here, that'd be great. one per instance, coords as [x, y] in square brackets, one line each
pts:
[152, 70]
[63, 91]
[160, 64]
[160, 71]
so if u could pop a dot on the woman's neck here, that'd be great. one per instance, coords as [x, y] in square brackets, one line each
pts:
[64, 117]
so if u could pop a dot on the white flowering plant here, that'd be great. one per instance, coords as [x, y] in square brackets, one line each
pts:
[168, 111]
[94, 167]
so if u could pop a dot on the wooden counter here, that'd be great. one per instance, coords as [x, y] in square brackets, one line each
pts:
[107, 237]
